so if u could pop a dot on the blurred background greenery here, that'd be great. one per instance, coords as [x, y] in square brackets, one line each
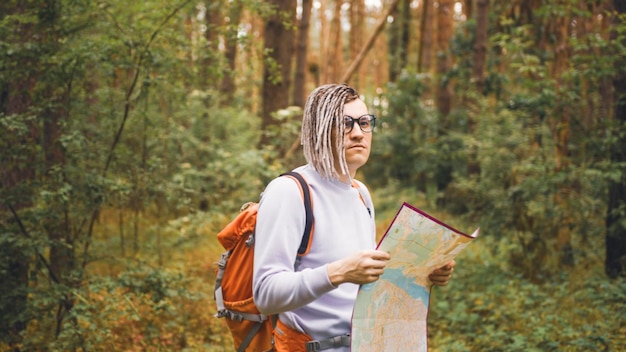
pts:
[131, 132]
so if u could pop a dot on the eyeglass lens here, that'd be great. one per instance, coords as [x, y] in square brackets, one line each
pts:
[366, 123]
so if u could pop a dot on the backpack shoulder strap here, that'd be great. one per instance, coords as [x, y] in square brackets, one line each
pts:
[368, 206]
[308, 209]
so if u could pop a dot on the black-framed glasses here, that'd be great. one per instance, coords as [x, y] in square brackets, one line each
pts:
[366, 123]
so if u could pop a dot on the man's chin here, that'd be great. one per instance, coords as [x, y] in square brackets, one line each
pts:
[356, 162]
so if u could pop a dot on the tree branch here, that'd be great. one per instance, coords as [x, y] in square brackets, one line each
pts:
[368, 45]
[127, 105]
[27, 235]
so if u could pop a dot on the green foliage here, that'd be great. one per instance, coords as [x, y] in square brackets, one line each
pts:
[141, 308]
[284, 151]
[123, 142]
[527, 185]
[414, 145]
[120, 163]
[487, 307]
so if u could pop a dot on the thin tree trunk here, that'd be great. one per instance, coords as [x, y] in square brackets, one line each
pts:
[61, 252]
[468, 7]
[480, 44]
[334, 57]
[15, 99]
[299, 94]
[357, 20]
[228, 83]
[250, 64]
[478, 69]
[399, 39]
[405, 32]
[615, 264]
[425, 53]
[324, 36]
[136, 219]
[213, 20]
[54, 116]
[120, 226]
[138, 192]
[393, 35]
[445, 20]
[606, 84]
[159, 234]
[278, 42]
[561, 133]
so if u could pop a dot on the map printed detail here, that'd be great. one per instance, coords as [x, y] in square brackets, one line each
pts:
[390, 314]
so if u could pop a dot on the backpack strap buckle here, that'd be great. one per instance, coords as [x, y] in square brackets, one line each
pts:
[240, 316]
[313, 346]
[332, 342]
[223, 260]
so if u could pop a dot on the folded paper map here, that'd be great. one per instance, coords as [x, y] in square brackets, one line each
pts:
[391, 313]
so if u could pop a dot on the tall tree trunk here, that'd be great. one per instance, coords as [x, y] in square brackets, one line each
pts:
[606, 83]
[468, 7]
[120, 226]
[61, 252]
[334, 56]
[20, 159]
[228, 83]
[319, 71]
[561, 134]
[443, 99]
[405, 36]
[54, 116]
[478, 71]
[480, 44]
[393, 35]
[399, 31]
[445, 21]
[615, 264]
[426, 46]
[357, 30]
[299, 93]
[214, 20]
[18, 170]
[278, 44]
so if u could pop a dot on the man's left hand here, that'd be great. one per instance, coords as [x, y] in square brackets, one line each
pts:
[441, 276]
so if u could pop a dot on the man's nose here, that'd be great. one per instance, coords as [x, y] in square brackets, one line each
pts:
[356, 131]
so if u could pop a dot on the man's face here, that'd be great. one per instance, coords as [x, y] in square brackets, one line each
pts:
[357, 143]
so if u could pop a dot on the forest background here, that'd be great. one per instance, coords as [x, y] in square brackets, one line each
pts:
[132, 131]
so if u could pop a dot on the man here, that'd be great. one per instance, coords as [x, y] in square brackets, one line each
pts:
[315, 298]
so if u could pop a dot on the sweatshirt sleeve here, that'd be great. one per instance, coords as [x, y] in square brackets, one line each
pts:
[279, 229]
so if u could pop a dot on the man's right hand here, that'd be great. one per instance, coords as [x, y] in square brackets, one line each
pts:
[360, 268]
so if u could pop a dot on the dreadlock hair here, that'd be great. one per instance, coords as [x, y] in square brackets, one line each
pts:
[323, 113]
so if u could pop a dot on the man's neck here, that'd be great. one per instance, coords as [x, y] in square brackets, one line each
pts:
[347, 178]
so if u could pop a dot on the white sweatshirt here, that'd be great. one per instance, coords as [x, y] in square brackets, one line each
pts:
[305, 299]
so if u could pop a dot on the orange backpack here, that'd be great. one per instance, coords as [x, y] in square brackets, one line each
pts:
[251, 330]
